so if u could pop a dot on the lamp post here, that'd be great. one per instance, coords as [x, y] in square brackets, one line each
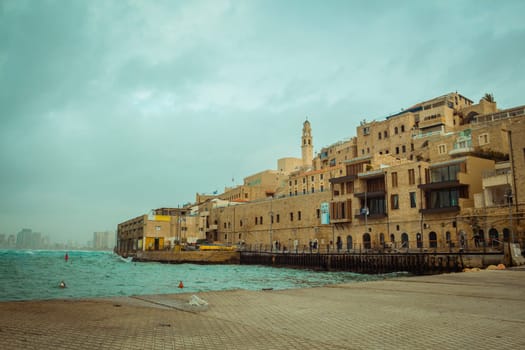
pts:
[510, 191]
[508, 195]
[271, 232]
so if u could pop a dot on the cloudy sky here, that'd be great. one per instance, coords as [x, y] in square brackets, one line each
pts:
[111, 108]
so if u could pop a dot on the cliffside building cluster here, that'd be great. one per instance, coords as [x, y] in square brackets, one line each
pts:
[442, 174]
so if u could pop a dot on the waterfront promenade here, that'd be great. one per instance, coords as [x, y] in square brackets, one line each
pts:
[475, 310]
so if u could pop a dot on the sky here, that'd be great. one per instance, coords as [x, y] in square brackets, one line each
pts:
[109, 109]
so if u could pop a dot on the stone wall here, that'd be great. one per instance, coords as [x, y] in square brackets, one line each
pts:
[192, 257]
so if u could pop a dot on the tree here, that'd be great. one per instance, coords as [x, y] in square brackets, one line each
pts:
[489, 97]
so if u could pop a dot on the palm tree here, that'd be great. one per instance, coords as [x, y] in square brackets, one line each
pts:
[489, 97]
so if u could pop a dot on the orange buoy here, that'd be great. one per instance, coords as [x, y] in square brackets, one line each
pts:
[181, 285]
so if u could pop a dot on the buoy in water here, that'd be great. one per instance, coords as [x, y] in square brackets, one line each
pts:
[181, 285]
[62, 284]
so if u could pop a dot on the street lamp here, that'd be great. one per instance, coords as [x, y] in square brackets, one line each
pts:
[508, 195]
[271, 233]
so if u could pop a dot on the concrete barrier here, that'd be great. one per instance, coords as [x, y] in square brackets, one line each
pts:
[191, 257]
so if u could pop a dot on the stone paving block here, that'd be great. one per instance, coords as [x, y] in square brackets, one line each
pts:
[483, 310]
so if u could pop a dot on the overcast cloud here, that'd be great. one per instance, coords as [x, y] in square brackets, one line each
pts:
[111, 108]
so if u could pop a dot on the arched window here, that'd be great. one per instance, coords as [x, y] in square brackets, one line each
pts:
[419, 240]
[382, 239]
[506, 235]
[366, 241]
[432, 240]
[404, 240]
[462, 239]
[481, 234]
[349, 244]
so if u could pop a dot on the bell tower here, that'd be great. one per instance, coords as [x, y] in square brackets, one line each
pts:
[307, 146]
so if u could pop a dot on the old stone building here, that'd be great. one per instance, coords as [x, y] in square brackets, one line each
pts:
[435, 176]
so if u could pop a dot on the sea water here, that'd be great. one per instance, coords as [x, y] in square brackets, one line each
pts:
[36, 275]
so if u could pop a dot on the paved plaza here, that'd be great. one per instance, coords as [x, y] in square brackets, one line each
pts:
[476, 310]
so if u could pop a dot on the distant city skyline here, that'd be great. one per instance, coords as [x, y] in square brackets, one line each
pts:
[29, 239]
[110, 109]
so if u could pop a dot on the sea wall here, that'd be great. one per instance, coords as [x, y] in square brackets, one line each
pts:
[417, 263]
[191, 257]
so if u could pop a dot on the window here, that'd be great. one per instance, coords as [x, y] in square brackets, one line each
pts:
[385, 134]
[397, 150]
[296, 181]
[411, 177]
[447, 198]
[403, 149]
[304, 190]
[240, 223]
[402, 128]
[446, 173]
[299, 215]
[318, 213]
[312, 179]
[366, 130]
[313, 190]
[277, 218]
[261, 220]
[394, 179]
[291, 216]
[304, 180]
[394, 201]
[271, 218]
[483, 139]
[256, 220]
[442, 149]
[412, 199]
[396, 130]
[379, 135]
[321, 176]
[322, 188]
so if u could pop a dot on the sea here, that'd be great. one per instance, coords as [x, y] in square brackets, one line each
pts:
[37, 274]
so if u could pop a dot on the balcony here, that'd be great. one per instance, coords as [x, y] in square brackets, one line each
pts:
[440, 185]
[371, 215]
[212, 228]
[453, 209]
[342, 179]
[496, 180]
[372, 174]
[340, 221]
[377, 194]
[463, 146]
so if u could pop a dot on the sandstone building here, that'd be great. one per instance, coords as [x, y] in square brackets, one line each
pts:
[440, 175]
